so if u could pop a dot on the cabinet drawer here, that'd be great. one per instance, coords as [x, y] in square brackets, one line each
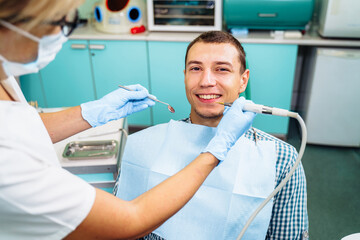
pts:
[104, 181]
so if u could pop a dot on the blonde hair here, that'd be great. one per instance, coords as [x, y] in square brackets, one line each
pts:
[30, 13]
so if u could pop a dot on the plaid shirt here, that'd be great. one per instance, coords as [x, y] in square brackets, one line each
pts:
[289, 219]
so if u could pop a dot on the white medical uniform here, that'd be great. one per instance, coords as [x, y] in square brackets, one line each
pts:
[38, 199]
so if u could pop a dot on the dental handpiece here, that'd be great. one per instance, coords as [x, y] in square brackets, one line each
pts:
[258, 108]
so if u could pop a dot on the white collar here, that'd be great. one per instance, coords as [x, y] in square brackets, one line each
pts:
[12, 87]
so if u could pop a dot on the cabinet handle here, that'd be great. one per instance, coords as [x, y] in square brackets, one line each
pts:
[78, 46]
[347, 54]
[97, 47]
[267, 15]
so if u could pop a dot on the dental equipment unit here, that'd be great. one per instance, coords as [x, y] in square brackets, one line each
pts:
[257, 108]
[171, 109]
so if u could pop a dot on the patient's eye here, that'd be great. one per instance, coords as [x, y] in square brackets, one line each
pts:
[194, 69]
[223, 69]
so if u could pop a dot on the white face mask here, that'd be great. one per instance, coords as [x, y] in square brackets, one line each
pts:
[49, 46]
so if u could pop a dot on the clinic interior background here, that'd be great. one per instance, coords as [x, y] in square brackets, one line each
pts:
[311, 67]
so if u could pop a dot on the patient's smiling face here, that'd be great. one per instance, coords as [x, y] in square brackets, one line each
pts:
[212, 74]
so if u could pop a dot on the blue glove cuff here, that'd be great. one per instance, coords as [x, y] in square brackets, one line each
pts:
[115, 105]
[87, 110]
[218, 147]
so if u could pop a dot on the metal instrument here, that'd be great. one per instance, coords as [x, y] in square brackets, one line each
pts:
[90, 149]
[171, 109]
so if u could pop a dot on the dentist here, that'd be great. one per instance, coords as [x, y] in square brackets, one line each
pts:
[39, 199]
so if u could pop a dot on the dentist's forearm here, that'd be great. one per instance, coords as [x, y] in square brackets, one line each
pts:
[63, 124]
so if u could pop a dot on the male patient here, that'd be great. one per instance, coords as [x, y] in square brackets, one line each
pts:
[215, 72]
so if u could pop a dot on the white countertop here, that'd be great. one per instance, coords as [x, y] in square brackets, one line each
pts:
[256, 37]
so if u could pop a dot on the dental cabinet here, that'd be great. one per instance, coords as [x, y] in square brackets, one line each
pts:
[85, 70]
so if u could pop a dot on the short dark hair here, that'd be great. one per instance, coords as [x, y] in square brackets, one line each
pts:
[220, 37]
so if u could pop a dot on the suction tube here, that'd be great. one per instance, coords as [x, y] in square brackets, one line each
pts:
[279, 112]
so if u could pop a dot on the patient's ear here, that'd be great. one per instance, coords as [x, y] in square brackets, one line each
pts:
[244, 80]
[184, 75]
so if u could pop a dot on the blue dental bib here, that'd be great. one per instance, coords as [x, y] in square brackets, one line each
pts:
[229, 195]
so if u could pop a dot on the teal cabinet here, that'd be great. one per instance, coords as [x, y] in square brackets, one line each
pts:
[67, 81]
[33, 90]
[167, 64]
[272, 71]
[120, 63]
[104, 181]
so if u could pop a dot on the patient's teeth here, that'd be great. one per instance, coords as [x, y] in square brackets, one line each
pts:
[209, 96]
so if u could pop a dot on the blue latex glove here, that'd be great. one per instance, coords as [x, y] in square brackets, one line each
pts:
[115, 105]
[231, 127]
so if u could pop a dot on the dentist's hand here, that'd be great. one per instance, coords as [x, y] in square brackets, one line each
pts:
[115, 105]
[231, 127]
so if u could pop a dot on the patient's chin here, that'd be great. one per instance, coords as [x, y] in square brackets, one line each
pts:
[209, 115]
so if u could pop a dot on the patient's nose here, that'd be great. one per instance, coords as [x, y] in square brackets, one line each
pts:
[207, 79]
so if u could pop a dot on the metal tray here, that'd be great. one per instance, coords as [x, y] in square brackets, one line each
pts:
[78, 150]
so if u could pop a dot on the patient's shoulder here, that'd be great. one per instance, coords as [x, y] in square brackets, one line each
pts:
[263, 136]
